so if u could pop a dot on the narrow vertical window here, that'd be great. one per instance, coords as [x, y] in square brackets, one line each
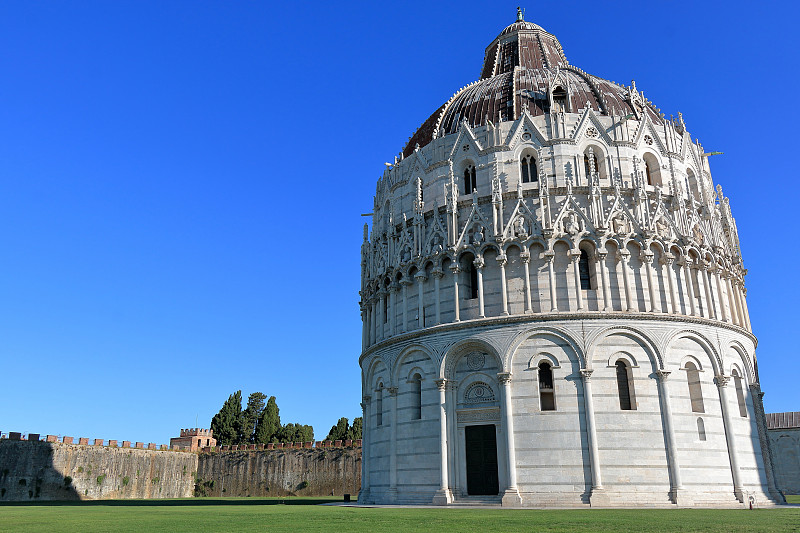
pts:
[648, 172]
[701, 429]
[385, 308]
[546, 392]
[587, 166]
[528, 169]
[624, 386]
[470, 275]
[585, 272]
[379, 405]
[470, 183]
[695, 389]
[737, 382]
[416, 397]
[559, 100]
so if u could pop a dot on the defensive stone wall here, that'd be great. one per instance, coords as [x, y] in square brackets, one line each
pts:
[319, 471]
[784, 439]
[34, 468]
[39, 470]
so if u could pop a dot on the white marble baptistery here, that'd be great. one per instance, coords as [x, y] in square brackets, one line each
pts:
[553, 304]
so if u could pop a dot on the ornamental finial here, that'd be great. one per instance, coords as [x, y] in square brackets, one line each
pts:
[520, 16]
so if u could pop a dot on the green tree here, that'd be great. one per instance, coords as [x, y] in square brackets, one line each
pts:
[269, 424]
[250, 417]
[339, 431]
[226, 424]
[356, 430]
[296, 433]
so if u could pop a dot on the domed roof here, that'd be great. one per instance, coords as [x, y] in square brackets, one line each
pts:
[521, 66]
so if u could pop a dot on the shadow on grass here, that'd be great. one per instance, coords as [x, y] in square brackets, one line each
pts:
[186, 502]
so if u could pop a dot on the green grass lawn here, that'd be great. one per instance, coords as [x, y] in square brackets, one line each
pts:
[795, 498]
[260, 514]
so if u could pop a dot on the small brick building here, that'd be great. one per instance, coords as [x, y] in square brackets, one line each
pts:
[194, 439]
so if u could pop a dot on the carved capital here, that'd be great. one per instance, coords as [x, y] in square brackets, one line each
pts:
[502, 260]
[663, 374]
[574, 255]
[441, 384]
[455, 268]
[623, 255]
[646, 257]
[365, 400]
[525, 256]
[420, 276]
[586, 374]
[721, 380]
[391, 390]
[549, 255]
[504, 377]
[479, 263]
[394, 286]
[667, 259]
[437, 273]
[406, 282]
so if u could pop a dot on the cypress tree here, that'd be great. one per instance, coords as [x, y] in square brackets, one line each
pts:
[250, 417]
[269, 424]
[227, 423]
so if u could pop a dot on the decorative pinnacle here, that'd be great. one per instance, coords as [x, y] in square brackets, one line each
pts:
[520, 16]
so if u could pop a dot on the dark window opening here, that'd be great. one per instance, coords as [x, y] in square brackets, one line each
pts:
[701, 429]
[737, 382]
[623, 386]
[416, 397]
[379, 405]
[559, 100]
[585, 273]
[587, 167]
[648, 172]
[470, 183]
[546, 391]
[528, 169]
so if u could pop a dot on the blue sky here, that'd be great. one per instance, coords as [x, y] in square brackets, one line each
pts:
[181, 184]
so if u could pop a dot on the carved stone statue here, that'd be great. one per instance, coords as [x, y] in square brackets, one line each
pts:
[477, 236]
[572, 225]
[620, 224]
[662, 228]
[697, 234]
[520, 227]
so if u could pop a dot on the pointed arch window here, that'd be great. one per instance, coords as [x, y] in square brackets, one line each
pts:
[585, 271]
[559, 100]
[701, 429]
[547, 399]
[624, 386]
[528, 169]
[737, 383]
[695, 389]
[470, 183]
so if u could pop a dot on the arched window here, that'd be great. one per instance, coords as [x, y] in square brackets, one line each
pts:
[546, 393]
[737, 383]
[701, 428]
[585, 271]
[651, 169]
[648, 172]
[694, 190]
[695, 389]
[470, 276]
[379, 405]
[559, 100]
[624, 386]
[416, 397]
[470, 183]
[527, 167]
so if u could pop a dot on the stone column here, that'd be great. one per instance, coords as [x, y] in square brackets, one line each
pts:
[737, 296]
[674, 307]
[731, 299]
[393, 289]
[511, 495]
[479, 264]
[672, 448]
[744, 308]
[455, 269]
[437, 277]
[405, 283]
[421, 277]
[647, 261]
[721, 295]
[549, 255]
[701, 275]
[502, 260]
[443, 496]
[525, 256]
[624, 256]
[381, 318]
[363, 495]
[575, 258]
[687, 274]
[371, 322]
[392, 492]
[601, 259]
[591, 433]
[364, 333]
[730, 437]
